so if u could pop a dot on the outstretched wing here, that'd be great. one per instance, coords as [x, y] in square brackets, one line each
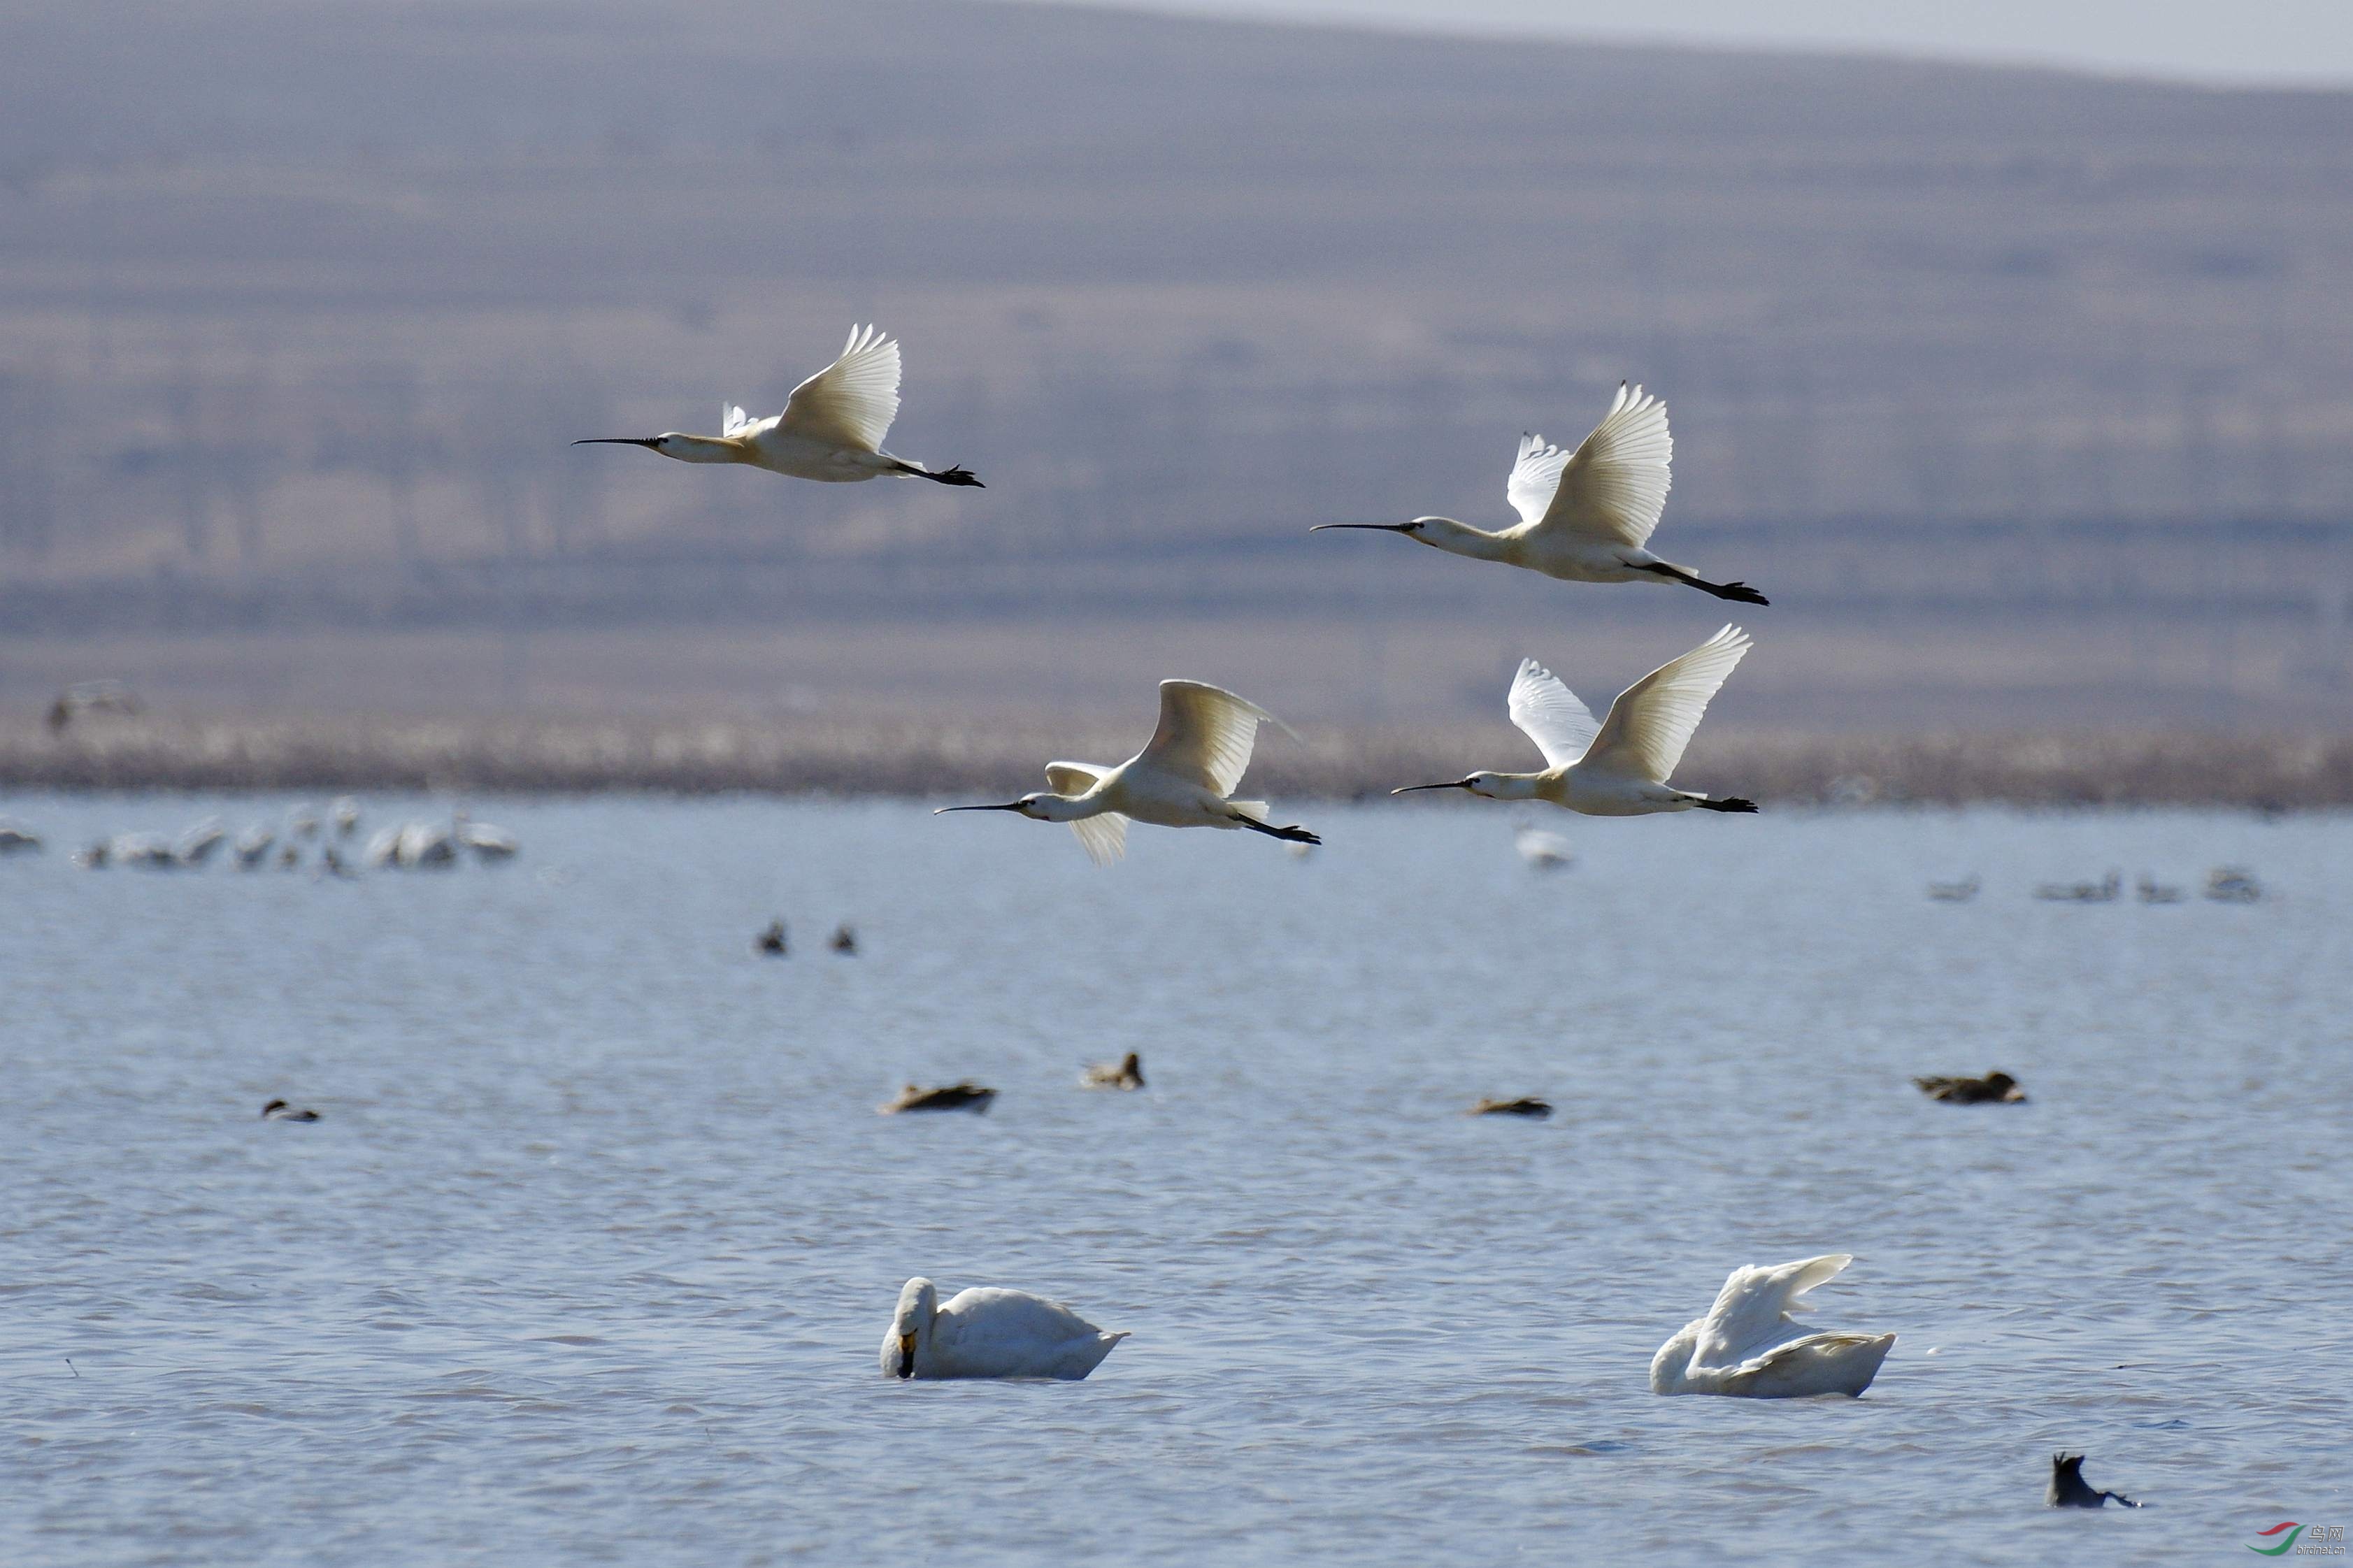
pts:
[1751, 1316]
[1652, 720]
[1535, 478]
[1073, 778]
[1561, 726]
[1206, 732]
[1613, 487]
[732, 420]
[852, 401]
[1104, 838]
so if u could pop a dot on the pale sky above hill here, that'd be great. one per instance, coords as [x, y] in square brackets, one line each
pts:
[2261, 42]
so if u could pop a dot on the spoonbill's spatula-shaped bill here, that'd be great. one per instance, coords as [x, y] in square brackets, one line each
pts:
[831, 428]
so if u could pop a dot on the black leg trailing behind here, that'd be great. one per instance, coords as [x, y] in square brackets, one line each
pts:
[1289, 835]
[1727, 802]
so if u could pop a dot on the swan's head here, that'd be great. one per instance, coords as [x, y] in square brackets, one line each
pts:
[910, 1327]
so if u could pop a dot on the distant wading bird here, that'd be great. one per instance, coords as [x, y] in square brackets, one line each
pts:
[1182, 778]
[1585, 516]
[831, 428]
[1618, 767]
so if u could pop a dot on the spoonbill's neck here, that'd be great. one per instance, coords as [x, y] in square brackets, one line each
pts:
[1068, 807]
[1461, 539]
[1515, 786]
[704, 449]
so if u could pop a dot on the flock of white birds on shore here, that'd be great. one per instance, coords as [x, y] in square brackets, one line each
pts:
[286, 846]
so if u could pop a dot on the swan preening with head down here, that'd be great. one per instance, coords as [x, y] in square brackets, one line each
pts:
[831, 428]
[989, 1332]
[1619, 766]
[1749, 1345]
[1585, 516]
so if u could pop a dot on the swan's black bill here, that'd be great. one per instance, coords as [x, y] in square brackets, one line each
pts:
[906, 1356]
[1456, 783]
[1009, 805]
[647, 441]
[1374, 526]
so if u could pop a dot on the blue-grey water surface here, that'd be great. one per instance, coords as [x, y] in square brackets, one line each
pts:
[590, 1257]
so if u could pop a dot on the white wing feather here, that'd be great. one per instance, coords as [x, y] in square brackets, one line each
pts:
[852, 401]
[731, 421]
[1104, 838]
[1614, 486]
[1073, 778]
[1752, 1315]
[1550, 714]
[1652, 720]
[1536, 478]
[1206, 732]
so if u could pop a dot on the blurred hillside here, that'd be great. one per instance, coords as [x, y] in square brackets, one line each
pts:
[2029, 397]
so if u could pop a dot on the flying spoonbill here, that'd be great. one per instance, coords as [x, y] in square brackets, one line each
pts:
[1748, 1344]
[1182, 778]
[1619, 766]
[1585, 516]
[831, 428]
[989, 1332]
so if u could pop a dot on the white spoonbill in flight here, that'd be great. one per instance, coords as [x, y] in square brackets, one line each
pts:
[831, 428]
[1585, 516]
[1182, 778]
[1618, 767]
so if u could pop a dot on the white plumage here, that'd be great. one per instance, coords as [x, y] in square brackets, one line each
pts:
[1184, 777]
[989, 1332]
[1750, 1345]
[831, 428]
[1618, 767]
[1585, 516]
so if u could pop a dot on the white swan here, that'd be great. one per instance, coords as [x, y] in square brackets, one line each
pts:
[1749, 1345]
[989, 1332]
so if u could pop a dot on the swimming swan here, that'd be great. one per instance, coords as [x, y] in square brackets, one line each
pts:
[989, 1332]
[1749, 1346]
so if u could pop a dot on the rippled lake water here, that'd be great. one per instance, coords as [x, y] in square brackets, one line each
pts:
[589, 1258]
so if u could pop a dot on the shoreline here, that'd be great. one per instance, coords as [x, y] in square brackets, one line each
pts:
[911, 759]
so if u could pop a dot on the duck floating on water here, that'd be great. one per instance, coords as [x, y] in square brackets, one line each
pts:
[965, 1095]
[1526, 1105]
[770, 941]
[1994, 1089]
[2100, 893]
[845, 939]
[278, 1110]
